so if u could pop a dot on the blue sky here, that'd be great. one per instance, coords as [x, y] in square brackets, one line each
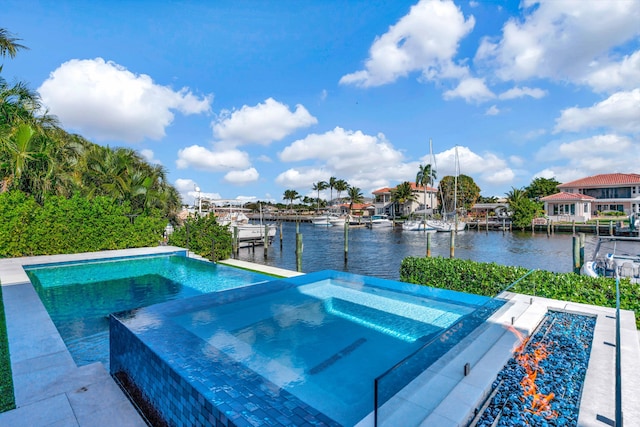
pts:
[247, 99]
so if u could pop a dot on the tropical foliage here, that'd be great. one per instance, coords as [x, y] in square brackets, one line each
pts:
[354, 194]
[403, 194]
[523, 209]
[542, 187]
[467, 192]
[204, 236]
[40, 159]
[426, 175]
[290, 195]
[341, 186]
[319, 186]
[490, 279]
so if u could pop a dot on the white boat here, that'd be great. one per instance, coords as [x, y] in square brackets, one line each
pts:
[323, 220]
[247, 232]
[417, 225]
[615, 256]
[446, 226]
[340, 221]
[380, 221]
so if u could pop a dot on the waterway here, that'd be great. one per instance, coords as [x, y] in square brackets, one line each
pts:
[379, 252]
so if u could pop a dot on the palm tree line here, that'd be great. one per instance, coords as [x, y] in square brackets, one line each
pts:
[354, 194]
[41, 159]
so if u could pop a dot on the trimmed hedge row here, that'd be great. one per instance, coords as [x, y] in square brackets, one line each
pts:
[7, 400]
[72, 225]
[490, 279]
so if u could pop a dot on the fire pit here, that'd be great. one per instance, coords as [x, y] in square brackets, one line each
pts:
[542, 384]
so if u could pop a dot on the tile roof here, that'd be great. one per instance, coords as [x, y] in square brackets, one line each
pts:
[564, 197]
[606, 179]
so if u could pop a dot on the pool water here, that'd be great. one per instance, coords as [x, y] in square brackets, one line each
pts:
[322, 338]
[80, 296]
[304, 339]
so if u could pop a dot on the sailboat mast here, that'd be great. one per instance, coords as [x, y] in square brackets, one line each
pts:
[455, 191]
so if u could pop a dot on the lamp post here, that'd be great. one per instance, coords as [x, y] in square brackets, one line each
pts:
[199, 200]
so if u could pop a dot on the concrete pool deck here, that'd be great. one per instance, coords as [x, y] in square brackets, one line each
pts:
[50, 390]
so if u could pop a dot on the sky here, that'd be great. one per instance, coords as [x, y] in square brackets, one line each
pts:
[247, 99]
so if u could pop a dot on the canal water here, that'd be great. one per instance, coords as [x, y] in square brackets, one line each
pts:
[379, 252]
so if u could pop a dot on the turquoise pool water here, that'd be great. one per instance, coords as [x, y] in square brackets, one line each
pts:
[80, 296]
[322, 337]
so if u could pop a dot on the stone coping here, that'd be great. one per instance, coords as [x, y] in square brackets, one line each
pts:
[51, 390]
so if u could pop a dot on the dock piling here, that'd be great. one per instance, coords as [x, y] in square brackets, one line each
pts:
[452, 244]
[299, 248]
[266, 240]
[428, 245]
[346, 240]
[576, 255]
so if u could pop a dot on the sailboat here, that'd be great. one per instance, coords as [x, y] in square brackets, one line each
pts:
[450, 225]
[416, 224]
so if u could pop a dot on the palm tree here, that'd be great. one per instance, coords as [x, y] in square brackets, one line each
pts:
[354, 195]
[425, 176]
[402, 194]
[332, 185]
[320, 186]
[291, 195]
[516, 194]
[340, 186]
[9, 45]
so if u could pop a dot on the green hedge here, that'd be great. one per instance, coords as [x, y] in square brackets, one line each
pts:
[72, 225]
[204, 232]
[6, 380]
[490, 279]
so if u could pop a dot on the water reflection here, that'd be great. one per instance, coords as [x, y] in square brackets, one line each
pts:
[379, 252]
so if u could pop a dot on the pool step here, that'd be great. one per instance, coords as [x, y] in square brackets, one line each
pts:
[440, 391]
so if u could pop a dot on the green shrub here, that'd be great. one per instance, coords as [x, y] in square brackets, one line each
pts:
[204, 233]
[6, 380]
[72, 225]
[490, 279]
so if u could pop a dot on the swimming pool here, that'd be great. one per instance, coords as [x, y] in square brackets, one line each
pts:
[301, 349]
[79, 296]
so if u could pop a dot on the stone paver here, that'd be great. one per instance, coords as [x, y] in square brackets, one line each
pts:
[52, 391]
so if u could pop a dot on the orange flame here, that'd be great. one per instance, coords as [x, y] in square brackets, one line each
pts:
[540, 403]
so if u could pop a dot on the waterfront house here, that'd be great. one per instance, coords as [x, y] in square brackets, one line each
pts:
[568, 207]
[385, 205]
[586, 197]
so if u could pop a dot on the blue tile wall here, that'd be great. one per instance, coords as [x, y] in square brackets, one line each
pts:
[210, 392]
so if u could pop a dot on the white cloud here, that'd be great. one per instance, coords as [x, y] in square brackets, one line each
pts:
[472, 89]
[516, 160]
[492, 111]
[187, 190]
[343, 150]
[105, 101]
[622, 75]
[560, 39]
[486, 168]
[425, 40]
[590, 156]
[240, 177]
[262, 124]
[148, 156]
[520, 92]
[621, 112]
[202, 158]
